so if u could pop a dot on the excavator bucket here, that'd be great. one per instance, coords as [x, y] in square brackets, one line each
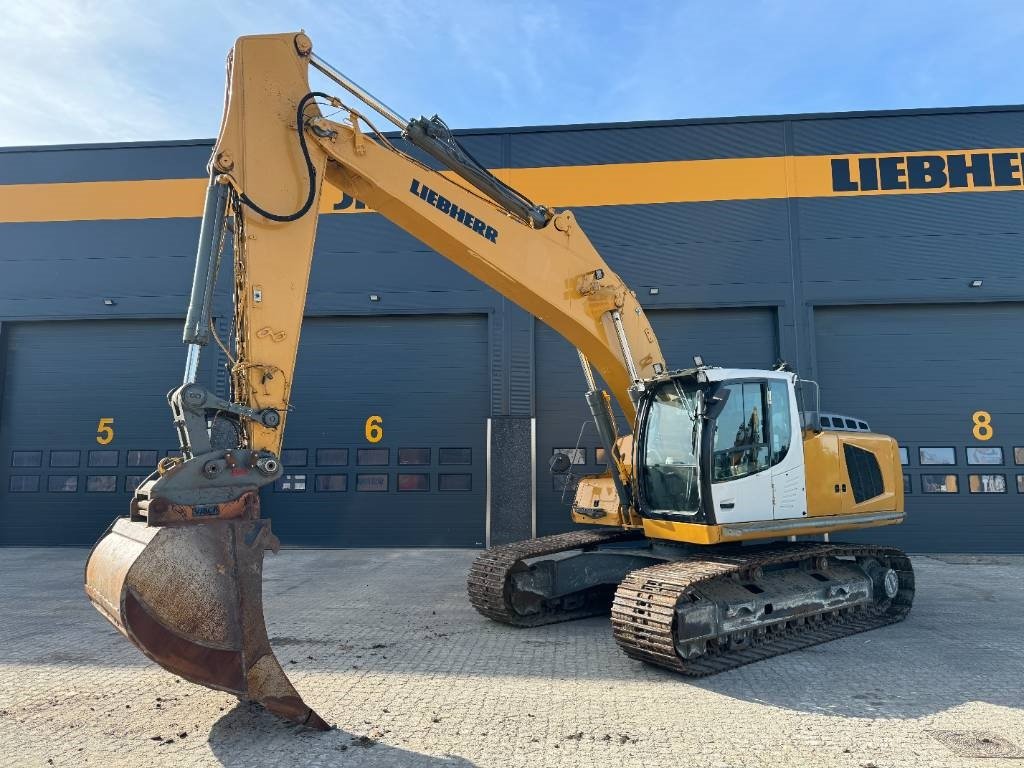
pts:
[190, 597]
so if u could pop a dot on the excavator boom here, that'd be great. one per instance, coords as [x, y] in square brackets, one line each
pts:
[181, 575]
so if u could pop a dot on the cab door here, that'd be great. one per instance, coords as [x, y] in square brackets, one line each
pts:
[789, 491]
[741, 480]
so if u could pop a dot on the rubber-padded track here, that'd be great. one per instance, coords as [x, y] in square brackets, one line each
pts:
[489, 579]
[643, 612]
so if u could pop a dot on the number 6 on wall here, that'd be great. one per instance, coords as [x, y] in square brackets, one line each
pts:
[374, 429]
[105, 431]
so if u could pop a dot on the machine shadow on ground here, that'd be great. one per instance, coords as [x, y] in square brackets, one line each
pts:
[248, 735]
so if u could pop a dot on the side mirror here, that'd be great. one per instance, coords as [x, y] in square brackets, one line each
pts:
[560, 464]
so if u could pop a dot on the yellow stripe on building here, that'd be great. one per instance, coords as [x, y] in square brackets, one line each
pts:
[578, 186]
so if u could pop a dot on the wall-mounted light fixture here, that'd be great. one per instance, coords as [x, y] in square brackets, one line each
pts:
[374, 297]
[109, 302]
[976, 283]
[654, 291]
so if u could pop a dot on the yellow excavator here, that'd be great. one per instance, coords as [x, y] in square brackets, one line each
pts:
[691, 537]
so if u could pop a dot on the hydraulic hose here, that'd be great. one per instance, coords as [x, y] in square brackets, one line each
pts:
[310, 169]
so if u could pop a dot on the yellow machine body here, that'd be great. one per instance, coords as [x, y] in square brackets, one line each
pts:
[181, 576]
[830, 502]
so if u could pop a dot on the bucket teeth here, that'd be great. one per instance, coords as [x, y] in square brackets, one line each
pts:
[190, 597]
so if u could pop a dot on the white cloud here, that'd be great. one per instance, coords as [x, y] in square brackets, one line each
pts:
[69, 74]
[91, 71]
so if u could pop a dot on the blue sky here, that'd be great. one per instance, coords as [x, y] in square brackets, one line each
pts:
[92, 71]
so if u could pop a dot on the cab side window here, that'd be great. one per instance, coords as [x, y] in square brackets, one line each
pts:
[781, 422]
[741, 433]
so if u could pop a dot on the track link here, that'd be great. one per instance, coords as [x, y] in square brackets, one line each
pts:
[643, 612]
[489, 579]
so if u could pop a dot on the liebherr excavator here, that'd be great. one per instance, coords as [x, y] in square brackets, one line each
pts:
[720, 460]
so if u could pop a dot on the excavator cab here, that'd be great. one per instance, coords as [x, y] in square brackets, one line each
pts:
[711, 440]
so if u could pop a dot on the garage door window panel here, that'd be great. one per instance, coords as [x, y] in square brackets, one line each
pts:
[936, 456]
[373, 457]
[62, 483]
[455, 456]
[290, 483]
[413, 482]
[986, 483]
[65, 458]
[939, 484]
[332, 457]
[26, 458]
[374, 483]
[414, 457]
[331, 483]
[455, 482]
[101, 484]
[103, 458]
[984, 454]
[23, 483]
[142, 458]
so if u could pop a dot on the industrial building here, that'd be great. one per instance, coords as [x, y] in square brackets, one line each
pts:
[878, 253]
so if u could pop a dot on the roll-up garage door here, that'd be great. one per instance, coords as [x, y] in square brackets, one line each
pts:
[386, 443]
[739, 338]
[84, 418]
[945, 381]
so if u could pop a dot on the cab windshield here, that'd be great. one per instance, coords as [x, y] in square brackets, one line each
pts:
[671, 479]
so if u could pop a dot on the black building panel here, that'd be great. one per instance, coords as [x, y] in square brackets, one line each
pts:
[923, 374]
[597, 146]
[361, 251]
[426, 378]
[64, 269]
[105, 162]
[892, 134]
[63, 379]
[913, 247]
[870, 293]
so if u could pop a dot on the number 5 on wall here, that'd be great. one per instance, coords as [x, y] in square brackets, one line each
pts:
[105, 431]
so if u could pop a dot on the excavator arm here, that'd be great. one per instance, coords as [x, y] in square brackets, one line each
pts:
[181, 576]
[275, 150]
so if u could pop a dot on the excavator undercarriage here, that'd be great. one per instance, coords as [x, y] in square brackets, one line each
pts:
[695, 610]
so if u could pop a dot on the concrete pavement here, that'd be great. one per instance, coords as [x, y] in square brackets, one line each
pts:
[384, 644]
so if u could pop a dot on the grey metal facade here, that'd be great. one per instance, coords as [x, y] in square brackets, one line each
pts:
[869, 294]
